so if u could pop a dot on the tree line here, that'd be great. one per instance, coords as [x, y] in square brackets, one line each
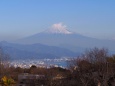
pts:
[95, 67]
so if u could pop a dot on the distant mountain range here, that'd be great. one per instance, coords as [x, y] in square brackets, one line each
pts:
[35, 51]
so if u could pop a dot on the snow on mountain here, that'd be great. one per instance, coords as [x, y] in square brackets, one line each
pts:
[58, 28]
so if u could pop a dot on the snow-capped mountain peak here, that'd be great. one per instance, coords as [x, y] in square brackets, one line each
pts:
[58, 28]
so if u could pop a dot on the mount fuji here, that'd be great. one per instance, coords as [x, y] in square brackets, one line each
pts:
[58, 35]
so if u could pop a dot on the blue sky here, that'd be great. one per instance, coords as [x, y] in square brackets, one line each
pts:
[21, 18]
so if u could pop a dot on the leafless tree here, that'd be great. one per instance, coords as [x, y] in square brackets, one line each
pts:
[4, 63]
[92, 67]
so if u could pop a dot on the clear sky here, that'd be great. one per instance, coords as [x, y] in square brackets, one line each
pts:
[21, 18]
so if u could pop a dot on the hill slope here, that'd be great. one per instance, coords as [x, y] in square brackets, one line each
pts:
[35, 51]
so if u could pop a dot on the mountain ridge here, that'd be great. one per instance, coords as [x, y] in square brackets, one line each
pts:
[35, 51]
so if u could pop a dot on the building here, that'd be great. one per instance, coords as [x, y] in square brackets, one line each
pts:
[26, 79]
